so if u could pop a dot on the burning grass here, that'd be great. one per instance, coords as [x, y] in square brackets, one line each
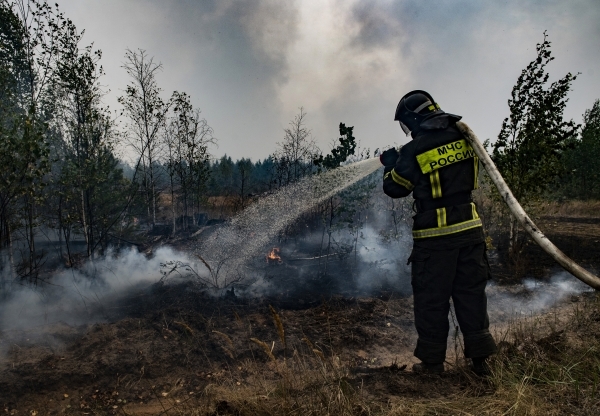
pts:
[273, 256]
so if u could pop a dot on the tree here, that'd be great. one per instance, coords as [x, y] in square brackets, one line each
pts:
[172, 159]
[221, 182]
[56, 139]
[341, 152]
[582, 179]
[535, 135]
[244, 170]
[146, 112]
[295, 154]
[89, 170]
[29, 32]
[334, 209]
[189, 159]
[264, 175]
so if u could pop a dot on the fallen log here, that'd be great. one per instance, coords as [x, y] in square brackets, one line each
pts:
[561, 258]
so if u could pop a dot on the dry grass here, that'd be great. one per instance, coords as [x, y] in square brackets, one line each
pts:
[279, 325]
[495, 213]
[571, 208]
[265, 347]
[546, 366]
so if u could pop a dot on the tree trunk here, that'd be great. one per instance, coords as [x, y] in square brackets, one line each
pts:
[512, 235]
[6, 271]
[67, 234]
[242, 190]
[31, 237]
[11, 256]
[90, 225]
[60, 247]
[185, 209]
[152, 185]
[173, 206]
[85, 225]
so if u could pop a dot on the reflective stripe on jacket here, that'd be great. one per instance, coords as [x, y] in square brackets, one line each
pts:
[437, 166]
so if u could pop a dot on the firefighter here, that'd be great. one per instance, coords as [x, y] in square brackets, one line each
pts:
[448, 259]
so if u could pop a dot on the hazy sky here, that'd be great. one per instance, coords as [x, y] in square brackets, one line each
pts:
[250, 64]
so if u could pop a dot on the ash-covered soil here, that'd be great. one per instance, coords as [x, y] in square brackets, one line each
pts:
[175, 341]
[165, 347]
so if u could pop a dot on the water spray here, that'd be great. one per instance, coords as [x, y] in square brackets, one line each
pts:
[561, 258]
[227, 251]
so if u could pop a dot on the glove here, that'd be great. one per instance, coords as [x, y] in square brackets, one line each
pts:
[389, 157]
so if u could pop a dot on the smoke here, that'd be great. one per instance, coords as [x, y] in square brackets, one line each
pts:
[84, 296]
[532, 296]
[229, 250]
[353, 258]
[79, 297]
[383, 261]
[358, 260]
[102, 286]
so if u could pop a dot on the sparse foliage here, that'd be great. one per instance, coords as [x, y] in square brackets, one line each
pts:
[31, 32]
[146, 111]
[86, 138]
[295, 154]
[57, 144]
[188, 162]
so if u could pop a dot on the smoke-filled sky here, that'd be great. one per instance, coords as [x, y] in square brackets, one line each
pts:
[250, 64]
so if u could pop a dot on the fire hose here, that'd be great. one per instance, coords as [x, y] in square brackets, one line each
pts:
[515, 208]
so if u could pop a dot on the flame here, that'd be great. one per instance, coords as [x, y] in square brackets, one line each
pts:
[274, 256]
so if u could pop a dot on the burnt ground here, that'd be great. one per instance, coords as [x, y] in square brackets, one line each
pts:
[168, 345]
[176, 341]
[577, 237]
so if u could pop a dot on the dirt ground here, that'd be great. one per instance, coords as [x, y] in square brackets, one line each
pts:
[165, 348]
[578, 237]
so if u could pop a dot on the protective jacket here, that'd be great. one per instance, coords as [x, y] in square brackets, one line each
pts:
[448, 259]
[440, 168]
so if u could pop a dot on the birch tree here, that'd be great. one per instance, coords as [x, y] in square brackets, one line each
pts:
[190, 158]
[535, 135]
[28, 54]
[146, 112]
[295, 154]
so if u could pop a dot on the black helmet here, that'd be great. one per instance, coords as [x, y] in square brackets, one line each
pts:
[413, 108]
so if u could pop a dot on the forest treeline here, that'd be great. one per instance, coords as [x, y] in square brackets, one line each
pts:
[62, 176]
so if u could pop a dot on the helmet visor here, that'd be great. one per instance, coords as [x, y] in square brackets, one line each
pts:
[405, 129]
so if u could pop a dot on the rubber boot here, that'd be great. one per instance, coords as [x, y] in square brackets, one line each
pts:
[428, 368]
[481, 366]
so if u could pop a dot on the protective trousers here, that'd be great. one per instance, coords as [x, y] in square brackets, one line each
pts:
[438, 275]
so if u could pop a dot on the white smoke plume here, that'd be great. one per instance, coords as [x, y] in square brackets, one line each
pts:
[384, 262]
[78, 297]
[231, 247]
[532, 296]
